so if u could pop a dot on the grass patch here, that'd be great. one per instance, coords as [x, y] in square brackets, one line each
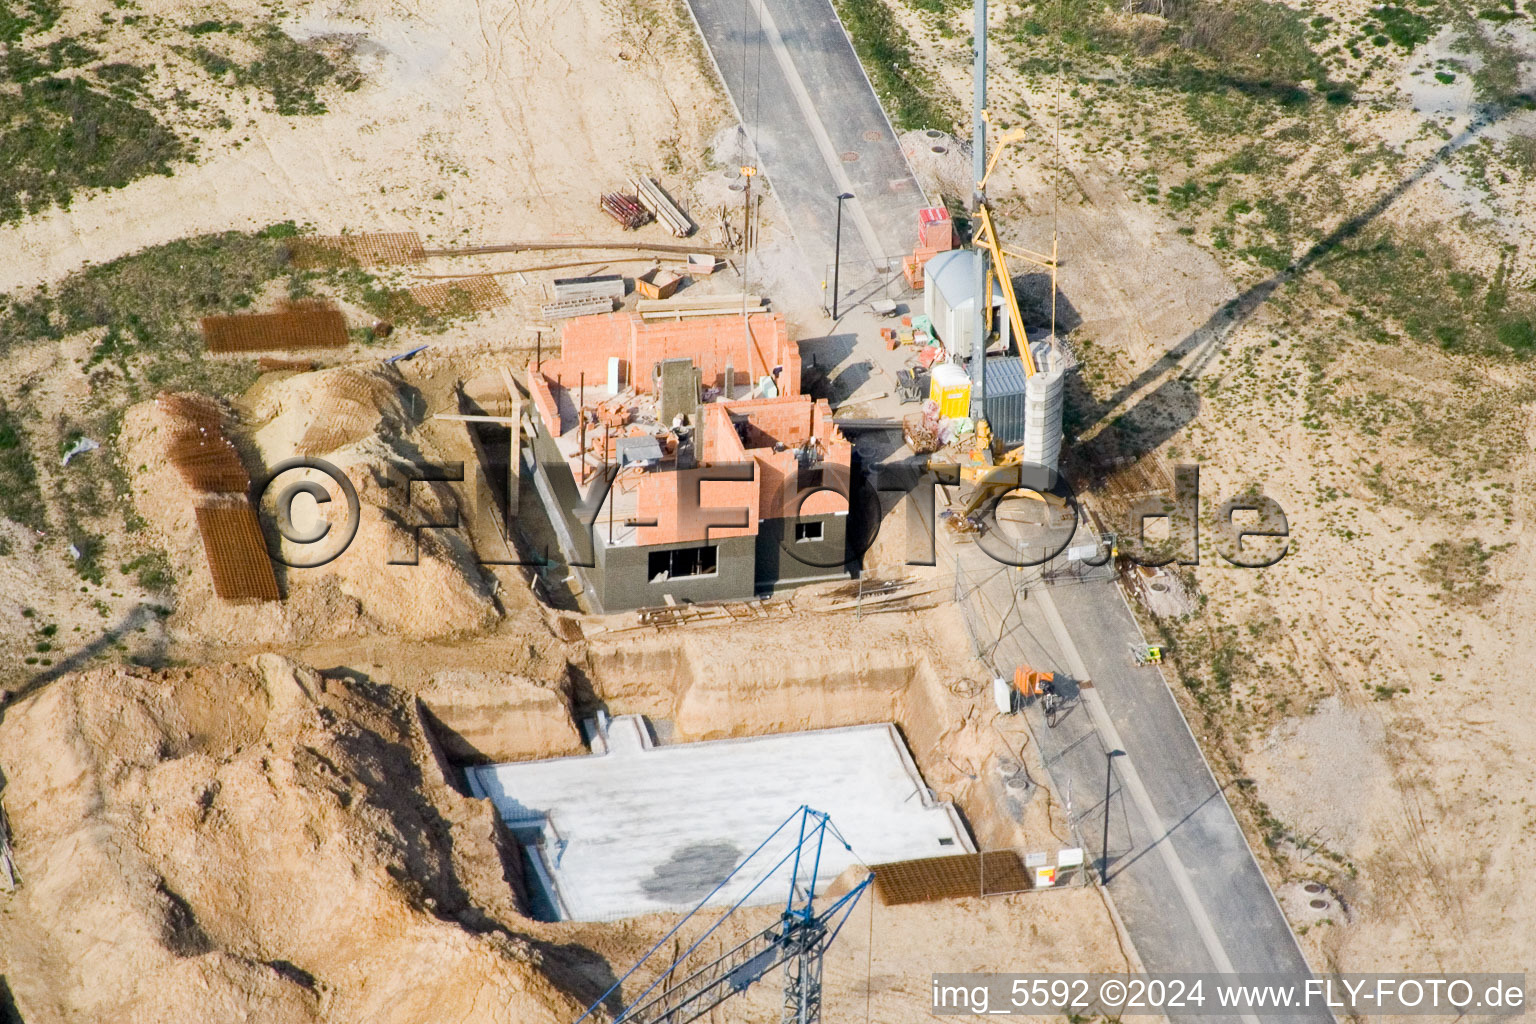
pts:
[20, 498]
[22, 64]
[146, 307]
[1401, 26]
[60, 135]
[19, 18]
[1253, 47]
[203, 28]
[152, 570]
[1459, 569]
[292, 74]
[1421, 288]
[885, 49]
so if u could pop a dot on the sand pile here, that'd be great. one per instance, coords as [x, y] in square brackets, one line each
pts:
[355, 420]
[324, 412]
[250, 842]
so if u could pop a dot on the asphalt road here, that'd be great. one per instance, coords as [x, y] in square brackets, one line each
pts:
[803, 98]
[1180, 871]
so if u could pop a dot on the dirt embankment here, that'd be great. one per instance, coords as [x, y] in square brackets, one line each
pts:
[822, 672]
[251, 842]
[355, 419]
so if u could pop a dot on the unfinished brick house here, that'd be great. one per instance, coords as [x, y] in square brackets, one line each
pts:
[661, 408]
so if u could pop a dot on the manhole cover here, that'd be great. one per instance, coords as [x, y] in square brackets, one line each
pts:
[872, 136]
[934, 133]
[731, 173]
[850, 156]
[1313, 887]
[1319, 904]
[941, 150]
[738, 187]
[1159, 587]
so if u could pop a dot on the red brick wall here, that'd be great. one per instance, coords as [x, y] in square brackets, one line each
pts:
[711, 342]
[542, 393]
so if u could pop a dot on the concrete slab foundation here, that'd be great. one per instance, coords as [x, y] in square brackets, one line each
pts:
[637, 828]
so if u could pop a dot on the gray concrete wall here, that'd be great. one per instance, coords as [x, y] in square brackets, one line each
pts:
[622, 576]
[557, 478]
[777, 565]
[619, 578]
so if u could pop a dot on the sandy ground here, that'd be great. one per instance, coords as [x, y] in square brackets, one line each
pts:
[173, 782]
[482, 120]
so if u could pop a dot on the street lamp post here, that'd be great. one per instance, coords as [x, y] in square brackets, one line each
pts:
[837, 252]
[1109, 777]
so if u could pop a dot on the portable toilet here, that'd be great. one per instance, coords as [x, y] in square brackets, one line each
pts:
[950, 387]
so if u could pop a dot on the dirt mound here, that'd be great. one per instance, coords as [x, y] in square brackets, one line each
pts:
[389, 579]
[320, 413]
[250, 842]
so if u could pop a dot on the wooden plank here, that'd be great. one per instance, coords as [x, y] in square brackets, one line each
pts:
[699, 302]
[514, 470]
[669, 314]
[482, 250]
[655, 199]
[459, 417]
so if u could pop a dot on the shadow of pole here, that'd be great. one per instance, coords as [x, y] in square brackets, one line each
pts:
[1207, 341]
[141, 615]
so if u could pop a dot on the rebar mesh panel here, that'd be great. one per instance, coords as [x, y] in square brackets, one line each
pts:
[284, 330]
[950, 878]
[375, 249]
[270, 363]
[470, 294]
[187, 409]
[207, 462]
[237, 554]
[331, 434]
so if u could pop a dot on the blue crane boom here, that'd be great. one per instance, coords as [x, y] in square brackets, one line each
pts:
[797, 941]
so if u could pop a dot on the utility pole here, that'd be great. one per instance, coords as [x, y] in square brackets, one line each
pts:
[747, 171]
[978, 197]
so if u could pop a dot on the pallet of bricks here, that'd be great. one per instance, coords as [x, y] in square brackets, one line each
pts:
[935, 234]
